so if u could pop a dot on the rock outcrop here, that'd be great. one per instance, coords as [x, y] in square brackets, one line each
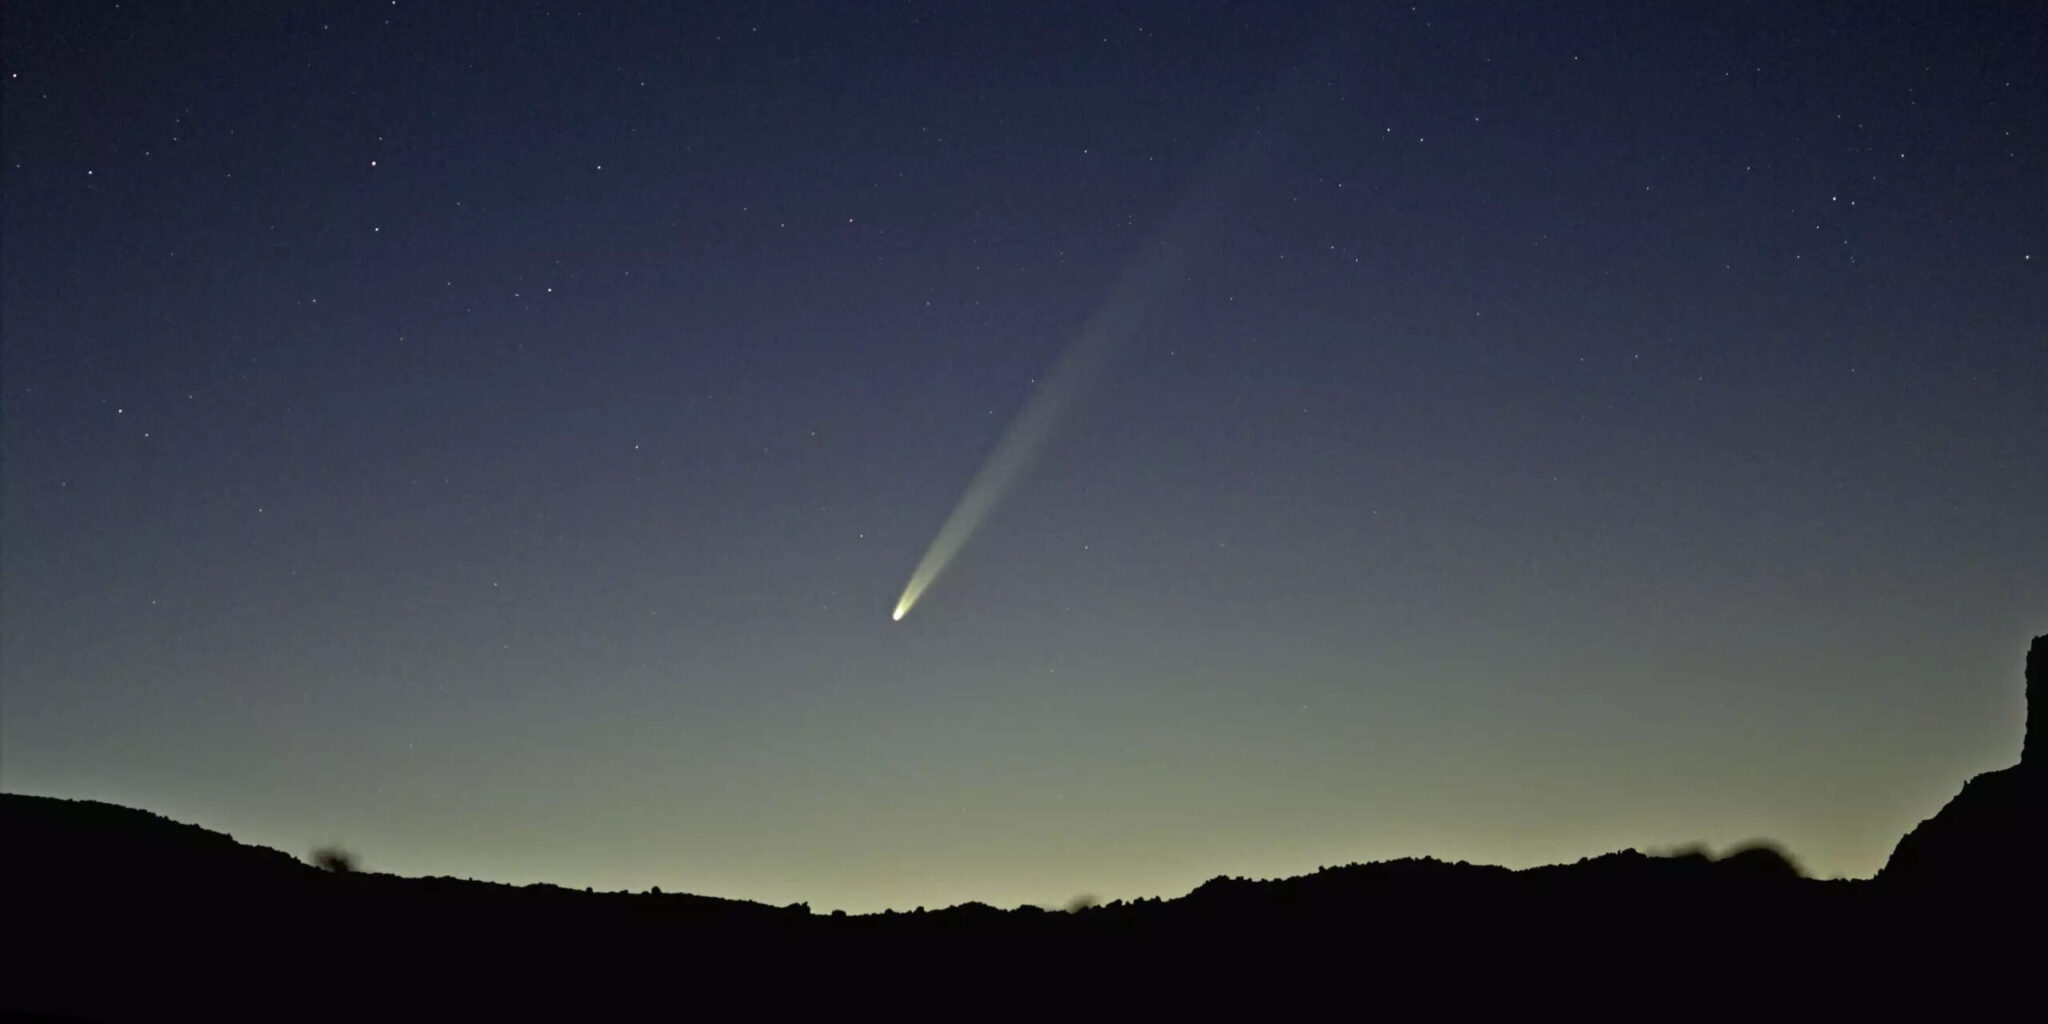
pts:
[1983, 843]
[2037, 675]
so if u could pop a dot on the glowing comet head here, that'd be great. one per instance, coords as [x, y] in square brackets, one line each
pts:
[897, 615]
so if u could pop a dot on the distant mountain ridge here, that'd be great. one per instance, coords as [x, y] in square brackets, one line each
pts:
[112, 848]
[122, 914]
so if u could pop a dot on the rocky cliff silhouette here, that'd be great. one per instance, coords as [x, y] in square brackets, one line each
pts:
[113, 913]
[1983, 844]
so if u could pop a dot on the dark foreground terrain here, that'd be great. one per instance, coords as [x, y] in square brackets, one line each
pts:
[111, 913]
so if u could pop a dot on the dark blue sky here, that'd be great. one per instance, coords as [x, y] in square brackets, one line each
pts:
[494, 435]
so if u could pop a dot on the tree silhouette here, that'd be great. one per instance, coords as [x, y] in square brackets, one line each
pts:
[335, 859]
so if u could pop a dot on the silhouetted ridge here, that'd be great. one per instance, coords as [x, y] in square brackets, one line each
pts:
[1983, 843]
[119, 914]
[108, 845]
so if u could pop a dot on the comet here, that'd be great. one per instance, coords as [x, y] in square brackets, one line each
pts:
[1025, 438]
[1107, 331]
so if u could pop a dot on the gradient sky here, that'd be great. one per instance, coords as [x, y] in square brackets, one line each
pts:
[493, 436]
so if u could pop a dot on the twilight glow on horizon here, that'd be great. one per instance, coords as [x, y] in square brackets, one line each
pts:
[485, 436]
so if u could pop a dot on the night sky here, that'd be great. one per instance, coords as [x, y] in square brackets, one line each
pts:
[493, 437]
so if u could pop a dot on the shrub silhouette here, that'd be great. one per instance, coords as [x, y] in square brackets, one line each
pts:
[335, 859]
[1761, 859]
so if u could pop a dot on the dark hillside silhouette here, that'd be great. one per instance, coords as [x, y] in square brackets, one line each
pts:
[1984, 843]
[120, 914]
